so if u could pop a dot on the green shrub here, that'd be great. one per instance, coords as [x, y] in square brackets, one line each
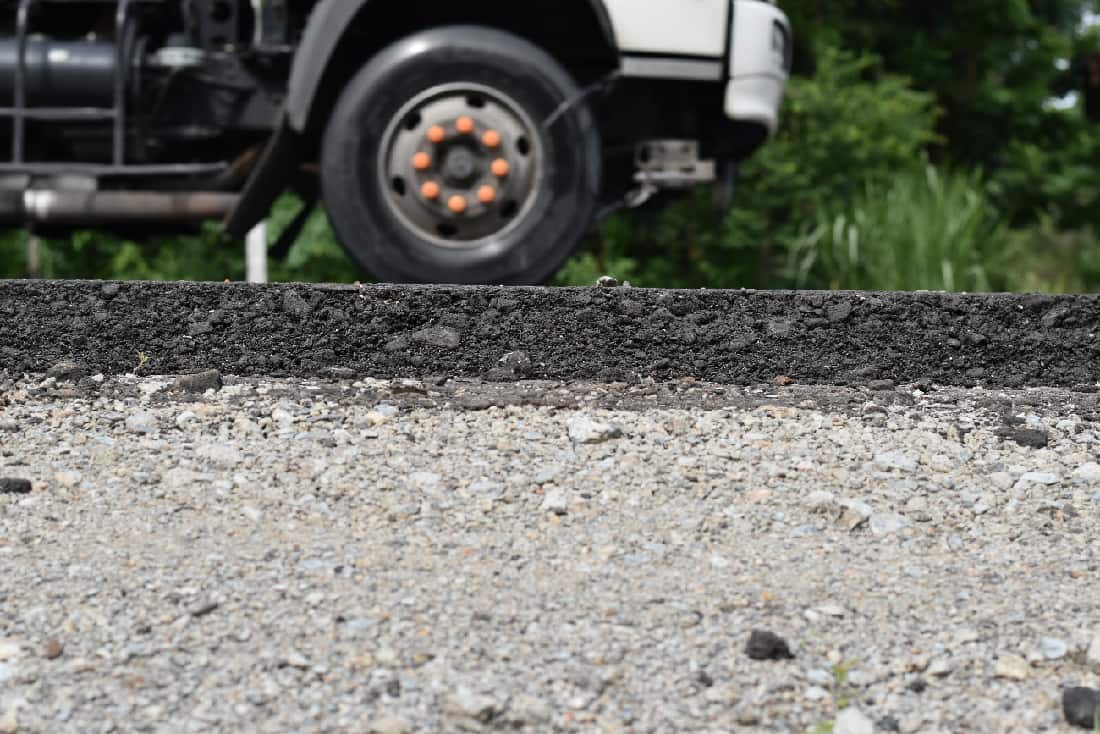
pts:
[922, 231]
[849, 124]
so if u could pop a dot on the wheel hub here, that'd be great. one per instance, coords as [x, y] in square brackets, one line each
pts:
[460, 164]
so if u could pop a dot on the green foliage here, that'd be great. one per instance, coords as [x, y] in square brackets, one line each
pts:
[849, 125]
[205, 255]
[920, 231]
[316, 256]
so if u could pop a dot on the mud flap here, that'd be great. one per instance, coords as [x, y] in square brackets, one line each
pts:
[268, 180]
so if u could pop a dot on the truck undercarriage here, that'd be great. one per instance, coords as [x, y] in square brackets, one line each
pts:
[115, 112]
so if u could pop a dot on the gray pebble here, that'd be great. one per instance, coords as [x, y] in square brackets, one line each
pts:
[438, 336]
[11, 485]
[884, 523]
[199, 382]
[1081, 706]
[68, 371]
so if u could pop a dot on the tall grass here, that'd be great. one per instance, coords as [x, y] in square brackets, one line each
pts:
[924, 230]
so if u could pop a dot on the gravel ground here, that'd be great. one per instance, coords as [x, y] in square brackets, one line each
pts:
[393, 556]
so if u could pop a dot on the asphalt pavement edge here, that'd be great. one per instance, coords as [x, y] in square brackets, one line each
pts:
[605, 334]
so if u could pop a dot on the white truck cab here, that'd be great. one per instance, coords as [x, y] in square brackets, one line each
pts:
[746, 42]
[449, 142]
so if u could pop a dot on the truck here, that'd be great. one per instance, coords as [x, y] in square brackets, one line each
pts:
[448, 142]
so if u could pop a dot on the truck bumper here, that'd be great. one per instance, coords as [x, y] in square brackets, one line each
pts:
[759, 64]
[756, 99]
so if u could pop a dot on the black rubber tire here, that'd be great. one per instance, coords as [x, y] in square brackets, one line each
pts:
[564, 204]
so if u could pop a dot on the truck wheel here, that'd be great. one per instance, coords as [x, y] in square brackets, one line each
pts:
[448, 159]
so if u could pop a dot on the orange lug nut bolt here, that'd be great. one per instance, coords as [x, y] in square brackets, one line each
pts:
[422, 161]
[457, 204]
[436, 134]
[430, 190]
[464, 125]
[501, 168]
[486, 194]
[491, 139]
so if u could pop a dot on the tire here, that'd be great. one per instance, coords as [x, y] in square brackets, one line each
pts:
[382, 210]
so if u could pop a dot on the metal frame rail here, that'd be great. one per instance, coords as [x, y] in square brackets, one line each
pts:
[21, 112]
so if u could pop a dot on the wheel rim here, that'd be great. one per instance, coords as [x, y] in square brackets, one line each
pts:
[461, 164]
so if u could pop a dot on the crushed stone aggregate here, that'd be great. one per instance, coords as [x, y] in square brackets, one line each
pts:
[342, 554]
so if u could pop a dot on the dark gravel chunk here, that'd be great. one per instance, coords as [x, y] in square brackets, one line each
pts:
[14, 486]
[1032, 438]
[438, 336]
[199, 382]
[67, 371]
[764, 645]
[1081, 707]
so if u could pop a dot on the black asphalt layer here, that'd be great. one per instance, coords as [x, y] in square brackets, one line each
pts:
[600, 334]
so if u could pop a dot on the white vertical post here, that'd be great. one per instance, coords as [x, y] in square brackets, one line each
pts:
[34, 257]
[255, 254]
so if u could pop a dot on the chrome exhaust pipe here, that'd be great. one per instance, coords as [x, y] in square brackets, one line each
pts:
[89, 208]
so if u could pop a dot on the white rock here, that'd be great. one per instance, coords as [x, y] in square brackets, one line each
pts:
[853, 721]
[821, 502]
[142, 423]
[1092, 656]
[896, 460]
[10, 650]
[1087, 473]
[816, 693]
[386, 656]
[68, 479]
[861, 508]
[220, 455]
[1053, 648]
[295, 659]
[832, 610]
[1038, 477]
[389, 725]
[585, 429]
[1012, 667]
[465, 703]
[556, 501]
[150, 387]
[525, 710]
[940, 667]
[425, 480]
